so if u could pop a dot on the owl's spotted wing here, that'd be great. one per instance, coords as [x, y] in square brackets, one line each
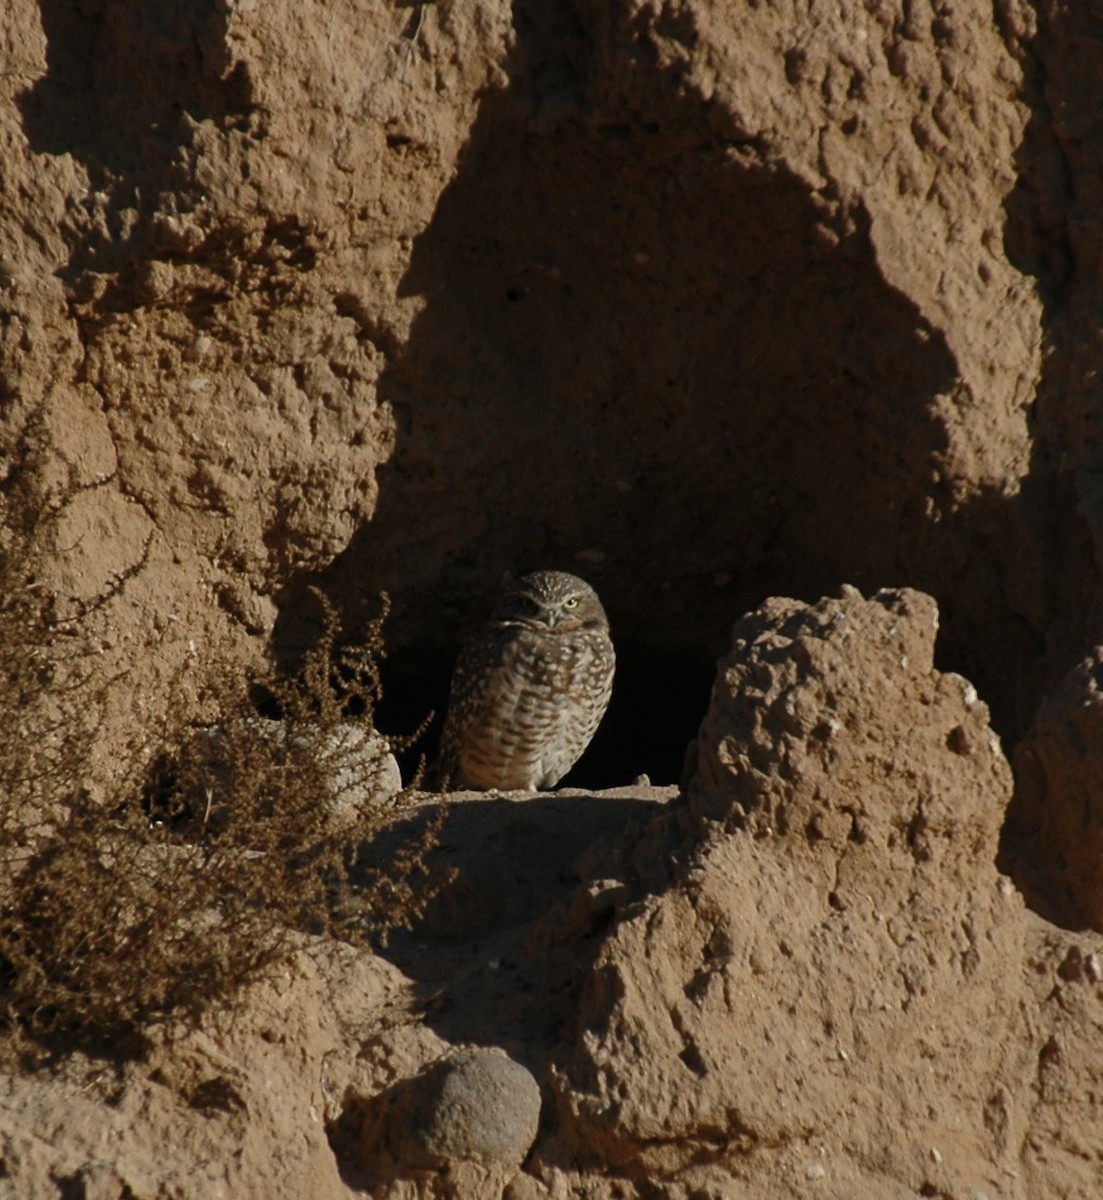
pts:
[479, 658]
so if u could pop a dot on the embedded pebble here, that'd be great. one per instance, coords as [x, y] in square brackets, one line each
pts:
[476, 1106]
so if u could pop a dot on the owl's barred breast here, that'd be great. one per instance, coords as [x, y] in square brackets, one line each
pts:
[530, 687]
[529, 728]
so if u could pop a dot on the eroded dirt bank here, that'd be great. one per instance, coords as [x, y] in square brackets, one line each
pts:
[709, 303]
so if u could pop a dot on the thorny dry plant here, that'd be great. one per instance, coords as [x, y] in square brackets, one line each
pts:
[166, 897]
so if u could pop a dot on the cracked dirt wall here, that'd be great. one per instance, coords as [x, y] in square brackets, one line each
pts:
[701, 332]
[706, 308]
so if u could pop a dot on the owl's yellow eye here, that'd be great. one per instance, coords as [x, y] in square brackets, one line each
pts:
[570, 602]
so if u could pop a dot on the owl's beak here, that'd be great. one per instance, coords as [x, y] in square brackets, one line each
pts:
[562, 620]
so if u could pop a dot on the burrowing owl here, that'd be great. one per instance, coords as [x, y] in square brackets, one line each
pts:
[530, 686]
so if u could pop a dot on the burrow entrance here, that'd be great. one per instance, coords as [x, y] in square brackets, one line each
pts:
[651, 357]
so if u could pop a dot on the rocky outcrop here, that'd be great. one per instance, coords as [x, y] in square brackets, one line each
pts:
[838, 934]
[398, 300]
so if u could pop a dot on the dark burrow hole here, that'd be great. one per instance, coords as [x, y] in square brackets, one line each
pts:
[659, 697]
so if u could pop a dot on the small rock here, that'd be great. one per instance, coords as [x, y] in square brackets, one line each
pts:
[359, 766]
[476, 1106]
[199, 348]
[363, 769]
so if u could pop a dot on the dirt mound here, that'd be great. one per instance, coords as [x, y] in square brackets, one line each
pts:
[808, 992]
[807, 971]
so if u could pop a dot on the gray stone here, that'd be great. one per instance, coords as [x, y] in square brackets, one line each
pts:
[475, 1106]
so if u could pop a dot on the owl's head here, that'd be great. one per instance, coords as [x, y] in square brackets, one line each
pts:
[553, 600]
